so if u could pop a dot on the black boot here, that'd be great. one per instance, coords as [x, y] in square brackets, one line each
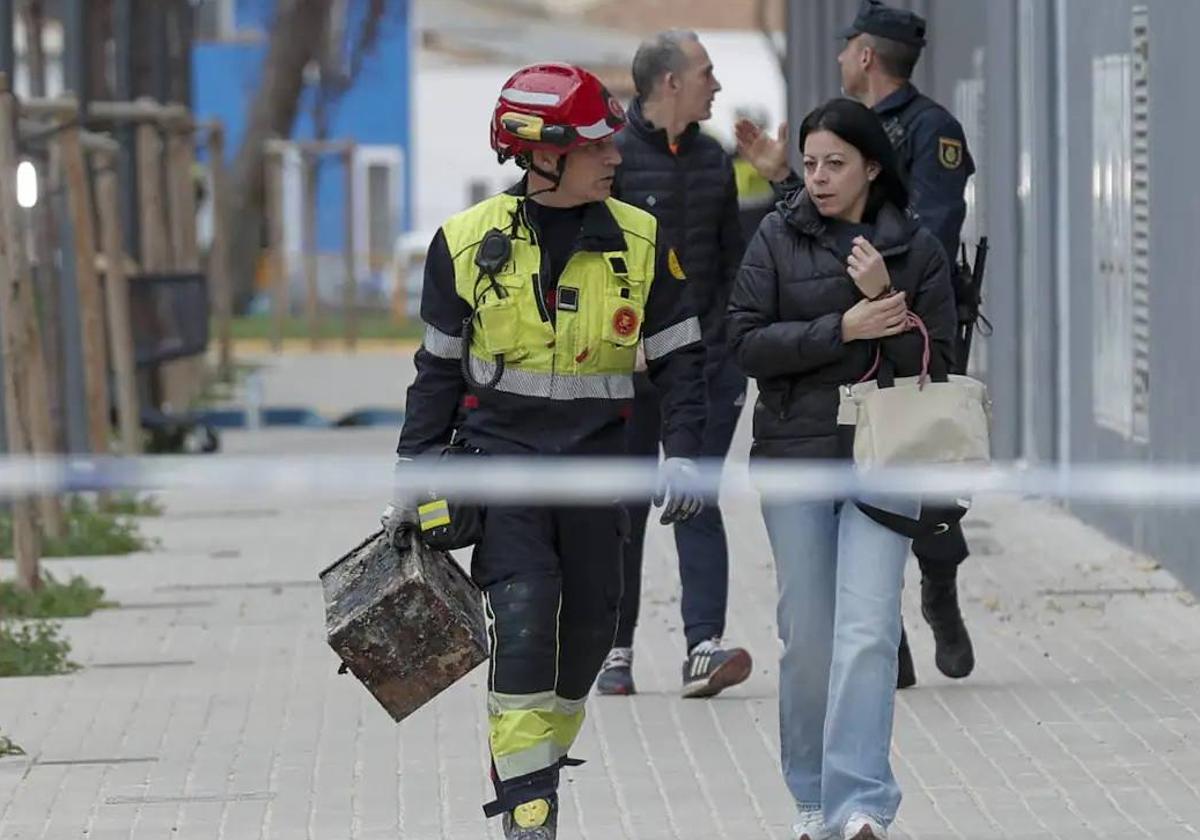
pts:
[939, 604]
[906, 677]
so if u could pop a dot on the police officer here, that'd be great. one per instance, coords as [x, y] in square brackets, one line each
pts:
[882, 48]
[534, 303]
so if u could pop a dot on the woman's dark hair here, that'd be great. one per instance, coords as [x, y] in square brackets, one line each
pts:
[859, 126]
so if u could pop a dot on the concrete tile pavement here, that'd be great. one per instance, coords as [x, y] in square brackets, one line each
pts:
[210, 706]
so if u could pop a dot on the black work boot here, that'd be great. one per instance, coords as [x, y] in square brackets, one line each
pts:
[906, 677]
[939, 604]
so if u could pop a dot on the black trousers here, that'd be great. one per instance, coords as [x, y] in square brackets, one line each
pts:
[940, 555]
[552, 577]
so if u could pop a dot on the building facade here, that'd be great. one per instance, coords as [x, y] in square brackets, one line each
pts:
[374, 113]
[1081, 115]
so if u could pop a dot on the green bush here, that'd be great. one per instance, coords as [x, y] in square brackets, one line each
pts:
[131, 504]
[371, 325]
[53, 599]
[7, 747]
[90, 532]
[33, 649]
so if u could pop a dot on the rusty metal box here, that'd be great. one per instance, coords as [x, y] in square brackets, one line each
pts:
[407, 624]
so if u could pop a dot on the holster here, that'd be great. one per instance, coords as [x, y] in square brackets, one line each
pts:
[934, 520]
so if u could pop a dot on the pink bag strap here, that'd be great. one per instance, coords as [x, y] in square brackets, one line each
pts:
[911, 319]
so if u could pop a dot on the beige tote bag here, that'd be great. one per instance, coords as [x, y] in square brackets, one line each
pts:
[916, 420]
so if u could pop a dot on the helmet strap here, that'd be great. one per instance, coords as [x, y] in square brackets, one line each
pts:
[555, 178]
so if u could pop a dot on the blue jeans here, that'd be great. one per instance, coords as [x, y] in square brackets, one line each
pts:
[839, 576]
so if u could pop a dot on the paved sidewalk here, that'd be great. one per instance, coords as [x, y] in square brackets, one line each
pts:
[209, 706]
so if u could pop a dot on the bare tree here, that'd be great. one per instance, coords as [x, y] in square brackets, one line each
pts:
[296, 39]
[762, 14]
[334, 80]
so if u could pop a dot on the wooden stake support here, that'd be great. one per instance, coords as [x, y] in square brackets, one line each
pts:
[144, 110]
[25, 538]
[37, 394]
[312, 300]
[91, 307]
[155, 244]
[181, 165]
[278, 265]
[116, 290]
[218, 259]
[350, 281]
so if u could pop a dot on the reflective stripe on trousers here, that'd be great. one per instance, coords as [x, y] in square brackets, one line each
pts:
[530, 732]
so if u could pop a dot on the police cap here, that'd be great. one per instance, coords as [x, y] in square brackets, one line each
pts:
[874, 18]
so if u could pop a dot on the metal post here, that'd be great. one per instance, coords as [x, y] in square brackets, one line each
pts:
[161, 84]
[75, 50]
[8, 58]
[123, 22]
[187, 35]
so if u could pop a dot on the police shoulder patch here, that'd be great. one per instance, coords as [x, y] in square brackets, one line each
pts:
[950, 152]
[674, 266]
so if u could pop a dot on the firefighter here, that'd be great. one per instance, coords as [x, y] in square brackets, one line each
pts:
[534, 303]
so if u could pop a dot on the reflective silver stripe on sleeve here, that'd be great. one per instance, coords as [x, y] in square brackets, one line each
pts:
[672, 338]
[556, 386]
[440, 344]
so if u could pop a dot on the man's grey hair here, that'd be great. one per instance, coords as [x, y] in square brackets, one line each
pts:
[659, 55]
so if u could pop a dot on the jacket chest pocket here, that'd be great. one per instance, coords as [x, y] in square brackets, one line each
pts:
[623, 311]
[610, 310]
[503, 323]
[624, 307]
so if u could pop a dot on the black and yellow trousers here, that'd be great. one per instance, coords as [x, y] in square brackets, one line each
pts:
[551, 579]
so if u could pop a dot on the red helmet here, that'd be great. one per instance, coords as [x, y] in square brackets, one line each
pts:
[555, 108]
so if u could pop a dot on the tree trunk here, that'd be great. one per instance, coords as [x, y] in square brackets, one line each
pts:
[46, 237]
[34, 15]
[295, 40]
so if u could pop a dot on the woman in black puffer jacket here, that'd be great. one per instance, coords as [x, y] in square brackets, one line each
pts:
[827, 281]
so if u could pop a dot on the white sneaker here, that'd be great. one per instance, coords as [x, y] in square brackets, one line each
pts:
[862, 827]
[812, 827]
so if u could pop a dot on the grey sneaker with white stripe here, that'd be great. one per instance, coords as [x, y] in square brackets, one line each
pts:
[710, 669]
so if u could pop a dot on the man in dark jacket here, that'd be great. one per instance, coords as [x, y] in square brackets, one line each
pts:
[686, 180]
[883, 45]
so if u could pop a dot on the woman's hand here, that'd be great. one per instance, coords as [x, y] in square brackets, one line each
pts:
[875, 318]
[867, 269]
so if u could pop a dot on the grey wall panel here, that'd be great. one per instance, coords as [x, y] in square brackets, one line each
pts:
[1036, 124]
[999, 171]
[1173, 536]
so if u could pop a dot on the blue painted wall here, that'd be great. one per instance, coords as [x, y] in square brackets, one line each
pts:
[375, 111]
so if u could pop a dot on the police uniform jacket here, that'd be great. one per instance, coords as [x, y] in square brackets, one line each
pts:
[932, 148]
[567, 355]
[785, 321]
